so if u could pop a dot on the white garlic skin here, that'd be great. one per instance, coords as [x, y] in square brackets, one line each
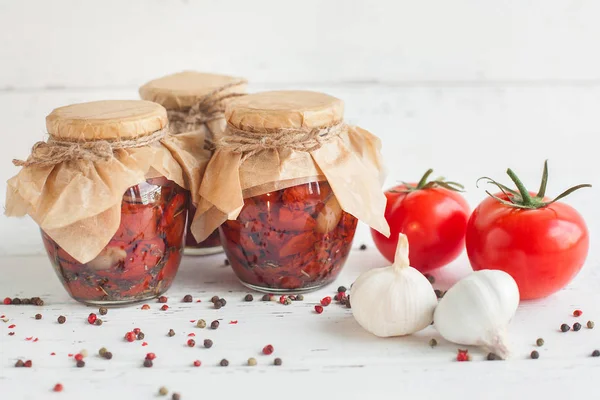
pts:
[477, 310]
[393, 301]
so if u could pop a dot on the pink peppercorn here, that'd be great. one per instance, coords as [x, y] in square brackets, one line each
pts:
[28, 364]
[164, 307]
[150, 356]
[577, 313]
[162, 299]
[92, 318]
[325, 301]
[58, 387]
[463, 355]
[145, 307]
[197, 363]
[130, 336]
[191, 343]
[78, 357]
[8, 301]
[137, 331]
[318, 309]
[268, 349]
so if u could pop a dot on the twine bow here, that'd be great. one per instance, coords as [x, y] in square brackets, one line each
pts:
[250, 143]
[55, 151]
[210, 107]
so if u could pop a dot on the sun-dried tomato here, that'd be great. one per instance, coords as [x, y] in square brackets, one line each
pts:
[289, 239]
[141, 260]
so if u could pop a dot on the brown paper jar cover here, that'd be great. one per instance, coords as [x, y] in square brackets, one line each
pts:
[78, 202]
[350, 161]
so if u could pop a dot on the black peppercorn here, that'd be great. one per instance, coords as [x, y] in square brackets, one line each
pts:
[492, 357]
[535, 355]
[98, 321]
[266, 297]
[214, 299]
[277, 361]
[438, 293]
[224, 363]
[16, 301]
[62, 319]
[539, 342]
[226, 262]
[576, 326]
[433, 342]
[19, 364]
[363, 246]
[176, 396]
[208, 343]
[187, 298]
[565, 328]
[103, 310]
[596, 353]
[141, 336]
[38, 316]
[214, 324]
[80, 364]
[299, 297]
[218, 304]
[223, 302]
[108, 355]
[26, 302]
[430, 278]
[171, 332]
[342, 289]
[147, 363]
[249, 297]
[37, 301]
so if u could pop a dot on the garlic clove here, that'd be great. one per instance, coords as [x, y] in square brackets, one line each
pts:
[477, 310]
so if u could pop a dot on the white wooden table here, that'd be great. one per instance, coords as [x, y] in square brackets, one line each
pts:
[324, 356]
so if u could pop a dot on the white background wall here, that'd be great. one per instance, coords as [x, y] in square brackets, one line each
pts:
[466, 87]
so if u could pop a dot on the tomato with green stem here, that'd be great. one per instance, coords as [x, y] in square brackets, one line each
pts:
[433, 215]
[541, 243]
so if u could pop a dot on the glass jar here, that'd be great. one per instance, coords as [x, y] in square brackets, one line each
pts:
[141, 259]
[211, 245]
[289, 241]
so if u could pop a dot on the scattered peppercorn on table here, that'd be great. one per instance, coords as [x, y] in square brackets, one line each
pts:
[278, 348]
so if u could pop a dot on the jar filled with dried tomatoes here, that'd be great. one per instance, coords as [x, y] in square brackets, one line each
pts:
[110, 199]
[287, 184]
[195, 103]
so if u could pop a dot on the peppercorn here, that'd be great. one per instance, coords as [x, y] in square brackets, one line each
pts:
[268, 349]
[146, 307]
[58, 387]
[438, 293]
[98, 322]
[7, 301]
[38, 316]
[577, 313]
[277, 361]
[341, 289]
[226, 261]
[16, 301]
[130, 336]
[78, 357]
[252, 361]
[164, 307]
[191, 343]
[80, 364]
[28, 364]
[103, 310]
[576, 326]
[224, 363]
[348, 302]
[299, 297]
[223, 302]
[214, 324]
[325, 301]
[218, 304]
[363, 247]
[39, 302]
[108, 355]
[214, 299]
[171, 333]
[163, 299]
[266, 297]
[141, 336]
[539, 342]
[462, 355]
[492, 357]
[248, 297]
[590, 324]
[176, 396]
[287, 301]
[433, 342]
[62, 319]
[187, 298]
[163, 391]
[147, 363]
[318, 309]
[430, 278]
[201, 323]
[92, 318]
[19, 364]
[102, 351]
[596, 353]
[565, 328]
[26, 302]
[150, 356]
[535, 355]
[208, 343]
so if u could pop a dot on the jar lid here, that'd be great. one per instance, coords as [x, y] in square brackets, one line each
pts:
[184, 89]
[108, 119]
[284, 109]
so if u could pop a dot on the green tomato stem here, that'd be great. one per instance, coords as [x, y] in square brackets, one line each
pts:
[525, 196]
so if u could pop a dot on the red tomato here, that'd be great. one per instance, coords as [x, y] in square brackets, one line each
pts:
[433, 218]
[542, 249]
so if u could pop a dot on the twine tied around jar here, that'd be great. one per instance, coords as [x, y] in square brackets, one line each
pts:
[56, 151]
[210, 107]
[250, 143]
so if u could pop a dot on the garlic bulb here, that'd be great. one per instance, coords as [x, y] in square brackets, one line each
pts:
[395, 300]
[477, 310]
